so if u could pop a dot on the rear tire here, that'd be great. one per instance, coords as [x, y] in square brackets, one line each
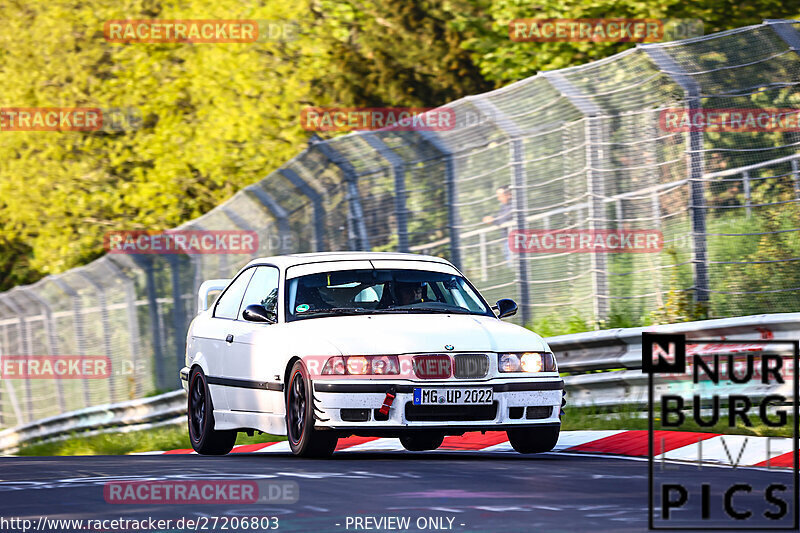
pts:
[534, 440]
[421, 443]
[304, 439]
[204, 438]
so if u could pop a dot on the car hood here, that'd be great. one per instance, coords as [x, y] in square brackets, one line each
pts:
[413, 333]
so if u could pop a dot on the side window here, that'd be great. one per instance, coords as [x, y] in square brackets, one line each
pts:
[263, 289]
[228, 304]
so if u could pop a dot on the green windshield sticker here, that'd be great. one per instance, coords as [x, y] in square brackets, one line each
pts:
[302, 308]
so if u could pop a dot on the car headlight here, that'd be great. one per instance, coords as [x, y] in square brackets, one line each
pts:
[526, 362]
[334, 366]
[508, 362]
[531, 362]
[384, 364]
[359, 365]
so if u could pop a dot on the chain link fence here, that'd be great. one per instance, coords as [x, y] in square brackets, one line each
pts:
[581, 148]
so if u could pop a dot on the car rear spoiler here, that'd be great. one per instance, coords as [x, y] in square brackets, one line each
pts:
[212, 285]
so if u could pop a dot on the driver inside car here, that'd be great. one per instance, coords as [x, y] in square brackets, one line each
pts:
[408, 293]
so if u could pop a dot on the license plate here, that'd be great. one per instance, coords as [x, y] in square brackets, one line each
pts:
[453, 396]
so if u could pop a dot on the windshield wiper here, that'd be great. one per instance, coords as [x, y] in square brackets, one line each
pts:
[342, 311]
[456, 310]
[335, 311]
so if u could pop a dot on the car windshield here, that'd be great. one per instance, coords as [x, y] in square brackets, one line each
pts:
[378, 291]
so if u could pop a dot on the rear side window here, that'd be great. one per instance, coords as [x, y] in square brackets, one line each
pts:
[228, 304]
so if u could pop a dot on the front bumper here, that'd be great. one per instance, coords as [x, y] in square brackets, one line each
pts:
[517, 403]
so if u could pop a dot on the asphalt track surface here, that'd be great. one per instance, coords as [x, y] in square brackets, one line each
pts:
[480, 492]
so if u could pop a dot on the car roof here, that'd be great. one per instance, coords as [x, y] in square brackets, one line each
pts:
[286, 261]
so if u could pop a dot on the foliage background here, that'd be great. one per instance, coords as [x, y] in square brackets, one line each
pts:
[216, 118]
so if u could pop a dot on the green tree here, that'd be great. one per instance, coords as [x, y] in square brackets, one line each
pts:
[215, 117]
[502, 60]
[394, 52]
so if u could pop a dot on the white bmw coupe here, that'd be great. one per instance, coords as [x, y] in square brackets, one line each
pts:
[328, 345]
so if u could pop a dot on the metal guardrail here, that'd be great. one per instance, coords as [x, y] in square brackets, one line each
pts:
[144, 411]
[615, 349]
[621, 350]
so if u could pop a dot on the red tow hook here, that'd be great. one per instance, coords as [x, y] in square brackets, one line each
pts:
[387, 402]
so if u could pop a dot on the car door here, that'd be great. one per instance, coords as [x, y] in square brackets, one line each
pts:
[215, 335]
[248, 364]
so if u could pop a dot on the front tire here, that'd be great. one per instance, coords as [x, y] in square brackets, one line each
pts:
[205, 439]
[534, 440]
[304, 439]
[421, 443]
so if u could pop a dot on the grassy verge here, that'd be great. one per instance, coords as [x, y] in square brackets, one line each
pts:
[577, 418]
[166, 438]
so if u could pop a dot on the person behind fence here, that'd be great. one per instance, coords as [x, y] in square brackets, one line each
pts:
[503, 215]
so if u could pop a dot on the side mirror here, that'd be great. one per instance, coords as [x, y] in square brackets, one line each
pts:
[208, 287]
[258, 313]
[505, 307]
